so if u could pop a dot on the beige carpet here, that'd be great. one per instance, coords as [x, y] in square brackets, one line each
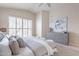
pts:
[67, 50]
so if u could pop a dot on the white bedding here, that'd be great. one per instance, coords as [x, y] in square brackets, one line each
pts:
[25, 52]
[40, 47]
[34, 47]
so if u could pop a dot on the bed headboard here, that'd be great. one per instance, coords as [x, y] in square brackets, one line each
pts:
[3, 29]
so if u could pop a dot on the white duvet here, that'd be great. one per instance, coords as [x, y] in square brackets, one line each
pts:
[40, 47]
[25, 52]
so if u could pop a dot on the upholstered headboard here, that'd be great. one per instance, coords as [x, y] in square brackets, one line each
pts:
[3, 29]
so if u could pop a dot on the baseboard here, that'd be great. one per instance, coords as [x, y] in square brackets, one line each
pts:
[74, 44]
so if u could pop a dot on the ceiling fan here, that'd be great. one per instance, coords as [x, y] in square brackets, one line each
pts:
[46, 4]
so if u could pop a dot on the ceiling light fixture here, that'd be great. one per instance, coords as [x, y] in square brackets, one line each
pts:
[47, 4]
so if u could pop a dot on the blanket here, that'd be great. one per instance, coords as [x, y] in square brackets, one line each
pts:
[39, 46]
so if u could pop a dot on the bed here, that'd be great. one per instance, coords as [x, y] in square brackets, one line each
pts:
[34, 47]
[40, 46]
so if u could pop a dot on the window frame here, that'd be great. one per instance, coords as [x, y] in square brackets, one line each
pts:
[22, 26]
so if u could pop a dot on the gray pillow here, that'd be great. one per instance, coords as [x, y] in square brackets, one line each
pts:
[1, 36]
[21, 42]
[14, 46]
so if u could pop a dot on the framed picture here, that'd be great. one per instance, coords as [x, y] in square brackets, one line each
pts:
[59, 24]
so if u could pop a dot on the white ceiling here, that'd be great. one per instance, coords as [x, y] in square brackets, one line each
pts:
[34, 7]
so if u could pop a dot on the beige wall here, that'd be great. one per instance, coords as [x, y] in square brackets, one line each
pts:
[42, 23]
[5, 12]
[45, 25]
[72, 11]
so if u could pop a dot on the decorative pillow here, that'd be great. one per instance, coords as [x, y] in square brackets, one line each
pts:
[21, 42]
[4, 47]
[14, 46]
[11, 37]
[1, 36]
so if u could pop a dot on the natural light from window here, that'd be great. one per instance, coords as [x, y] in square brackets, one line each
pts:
[20, 26]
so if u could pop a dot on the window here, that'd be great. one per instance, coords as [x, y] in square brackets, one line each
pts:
[20, 26]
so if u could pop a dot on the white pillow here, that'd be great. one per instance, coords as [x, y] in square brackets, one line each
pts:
[4, 47]
[1, 36]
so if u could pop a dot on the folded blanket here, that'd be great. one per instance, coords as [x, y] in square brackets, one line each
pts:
[49, 49]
